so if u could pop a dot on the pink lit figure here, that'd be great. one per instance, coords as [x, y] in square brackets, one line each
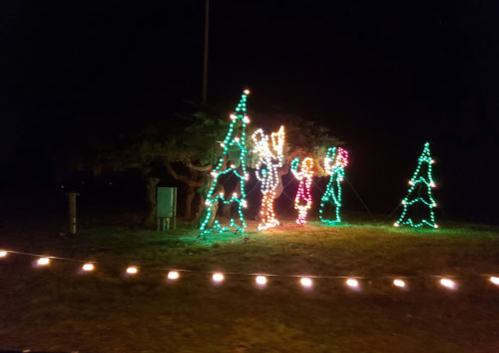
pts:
[303, 198]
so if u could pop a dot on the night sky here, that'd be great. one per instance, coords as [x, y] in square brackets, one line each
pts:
[384, 76]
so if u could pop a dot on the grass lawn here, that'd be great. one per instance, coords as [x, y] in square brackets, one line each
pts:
[57, 309]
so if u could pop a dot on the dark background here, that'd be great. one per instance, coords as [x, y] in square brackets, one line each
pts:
[384, 76]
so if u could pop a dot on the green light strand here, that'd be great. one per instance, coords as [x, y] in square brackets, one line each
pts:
[236, 136]
[417, 182]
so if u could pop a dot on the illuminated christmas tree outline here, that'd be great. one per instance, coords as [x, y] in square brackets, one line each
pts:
[236, 136]
[417, 183]
[303, 193]
[334, 164]
[270, 158]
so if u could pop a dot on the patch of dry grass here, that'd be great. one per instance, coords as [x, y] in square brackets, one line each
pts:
[57, 309]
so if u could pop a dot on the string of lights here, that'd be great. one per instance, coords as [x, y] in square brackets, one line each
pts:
[303, 198]
[261, 279]
[235, 139]
[270, 158]
[334, 164]
[417, 183]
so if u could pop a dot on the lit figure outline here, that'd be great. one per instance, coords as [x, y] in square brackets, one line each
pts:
[270, 158]
[303, 198]
[334, 164]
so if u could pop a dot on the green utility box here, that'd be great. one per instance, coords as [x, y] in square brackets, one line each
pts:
[166, 207]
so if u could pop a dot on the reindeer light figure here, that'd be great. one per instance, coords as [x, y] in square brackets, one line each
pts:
[303, 198]
[270, 158]
[334, 164]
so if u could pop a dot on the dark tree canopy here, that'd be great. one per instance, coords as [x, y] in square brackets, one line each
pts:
[189, 146]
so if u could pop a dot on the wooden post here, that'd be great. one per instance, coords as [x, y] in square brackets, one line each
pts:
[72, 212]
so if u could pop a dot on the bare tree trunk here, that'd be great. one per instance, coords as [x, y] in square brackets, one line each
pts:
[202, 216]
[226, 209]
[227, 206]
[280, 172]
[192, 183]
[191, 193]
[150, 218]
[200, 209]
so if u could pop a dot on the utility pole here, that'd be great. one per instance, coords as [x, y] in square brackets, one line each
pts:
[72, 212]
[205, 58]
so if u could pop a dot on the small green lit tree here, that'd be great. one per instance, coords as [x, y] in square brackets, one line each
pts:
[420, 195]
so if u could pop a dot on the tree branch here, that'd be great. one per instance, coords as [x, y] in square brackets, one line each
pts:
[183, 178]
[207, 168]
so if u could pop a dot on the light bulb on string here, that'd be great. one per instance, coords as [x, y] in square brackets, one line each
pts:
[352, 282]
[261, 280]
[173, 275]
[495, 280]
[43, 261]
[88, 267]
[399, 283]
[3, 253]
[132, 270]
[306, 282]
[218, 277]
[448, 283]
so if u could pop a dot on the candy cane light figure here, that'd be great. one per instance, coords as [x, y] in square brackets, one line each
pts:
[303, 198]
[270, 158]
[334, 164]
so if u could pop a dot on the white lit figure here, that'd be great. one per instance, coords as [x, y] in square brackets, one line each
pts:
[270, 158]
